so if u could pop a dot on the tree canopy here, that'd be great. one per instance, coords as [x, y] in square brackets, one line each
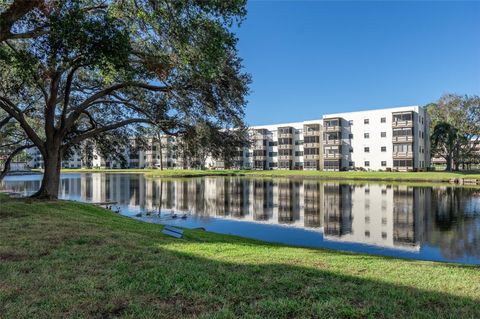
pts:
[74, 70]
[455, 126]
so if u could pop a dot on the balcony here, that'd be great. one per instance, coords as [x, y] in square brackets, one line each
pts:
[285, 146]
[402, 155]
[311, 157]
[336, 128]
[311, 145]
[402, 124]
[285, 135]
[259, 147]
[285, 157]
[332, 156]
[259, 158]
[307, 132]
[402, 139]
[332, 142]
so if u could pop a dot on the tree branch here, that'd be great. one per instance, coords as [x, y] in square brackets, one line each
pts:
[5, 121]
[6, 165]
[77, 139]
[17, 10]
[16, 113]
[107, 91]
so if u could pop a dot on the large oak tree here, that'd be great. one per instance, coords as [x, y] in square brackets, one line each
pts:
[87, 69]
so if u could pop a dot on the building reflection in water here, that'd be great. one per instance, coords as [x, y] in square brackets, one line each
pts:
[399, 216]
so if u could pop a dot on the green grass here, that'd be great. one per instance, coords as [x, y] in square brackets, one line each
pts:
[373, 176]
[64, 259]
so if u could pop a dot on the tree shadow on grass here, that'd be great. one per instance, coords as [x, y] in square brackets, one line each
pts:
[97, 270]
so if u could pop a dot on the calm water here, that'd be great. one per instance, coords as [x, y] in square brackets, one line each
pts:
[430, 223]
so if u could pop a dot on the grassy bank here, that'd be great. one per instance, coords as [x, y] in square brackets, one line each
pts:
[373, 176]
[63, 259]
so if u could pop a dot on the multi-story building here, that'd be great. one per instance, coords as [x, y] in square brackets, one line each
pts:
[283, 146]
[383, 139]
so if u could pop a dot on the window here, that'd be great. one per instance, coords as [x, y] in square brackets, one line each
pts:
[300, 142]
[351, 164]
[403, 117]
[367, 163]
[384, 149]
[367, 149]
[285, 152]
[350, 136]
[351, 149]
[402, 148]
[383, 120]
[403, 163]
[366, 135]
[403, 132]
[312, 139]
[384, 163]
[383, 134]
[366, 121]
[350, 122]
[297, 153]
[311, 151]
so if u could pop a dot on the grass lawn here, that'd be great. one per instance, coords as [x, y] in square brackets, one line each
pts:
[377, 176]
[64, 259]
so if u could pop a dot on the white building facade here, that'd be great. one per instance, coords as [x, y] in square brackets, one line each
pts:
[392, 139]
[385, 139]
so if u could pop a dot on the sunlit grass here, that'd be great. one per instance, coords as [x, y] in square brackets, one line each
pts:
[378, 176]
[64, 259]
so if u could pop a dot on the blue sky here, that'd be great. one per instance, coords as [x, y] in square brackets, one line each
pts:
[308, 58]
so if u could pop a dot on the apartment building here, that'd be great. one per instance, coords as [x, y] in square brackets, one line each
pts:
[283, 146]
[383, 139]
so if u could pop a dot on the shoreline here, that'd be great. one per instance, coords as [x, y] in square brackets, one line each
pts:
[452, 178]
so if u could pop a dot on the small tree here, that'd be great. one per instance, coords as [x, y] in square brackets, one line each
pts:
[92, 69]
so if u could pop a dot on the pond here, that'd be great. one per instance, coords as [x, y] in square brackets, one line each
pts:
[440, 223]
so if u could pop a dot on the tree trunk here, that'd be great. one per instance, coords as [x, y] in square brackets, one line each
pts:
[51, 175]
[161, 153]
[449, 163]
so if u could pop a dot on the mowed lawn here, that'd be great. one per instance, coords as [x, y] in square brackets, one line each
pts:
[435, 176]
[64, 259]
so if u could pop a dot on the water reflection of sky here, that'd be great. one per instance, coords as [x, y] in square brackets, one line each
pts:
[430, 223]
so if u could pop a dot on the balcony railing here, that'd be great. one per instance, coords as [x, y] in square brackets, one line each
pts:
[311, 145]
[259, 157]
[336, 128]
[311, 157]
[285, 146]
[259, 147]
[401, 139]
[285, 157]
[402, 124]
[285, 135]
[332, 156]
[402, 155]
[332, 142]
[311, 132]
